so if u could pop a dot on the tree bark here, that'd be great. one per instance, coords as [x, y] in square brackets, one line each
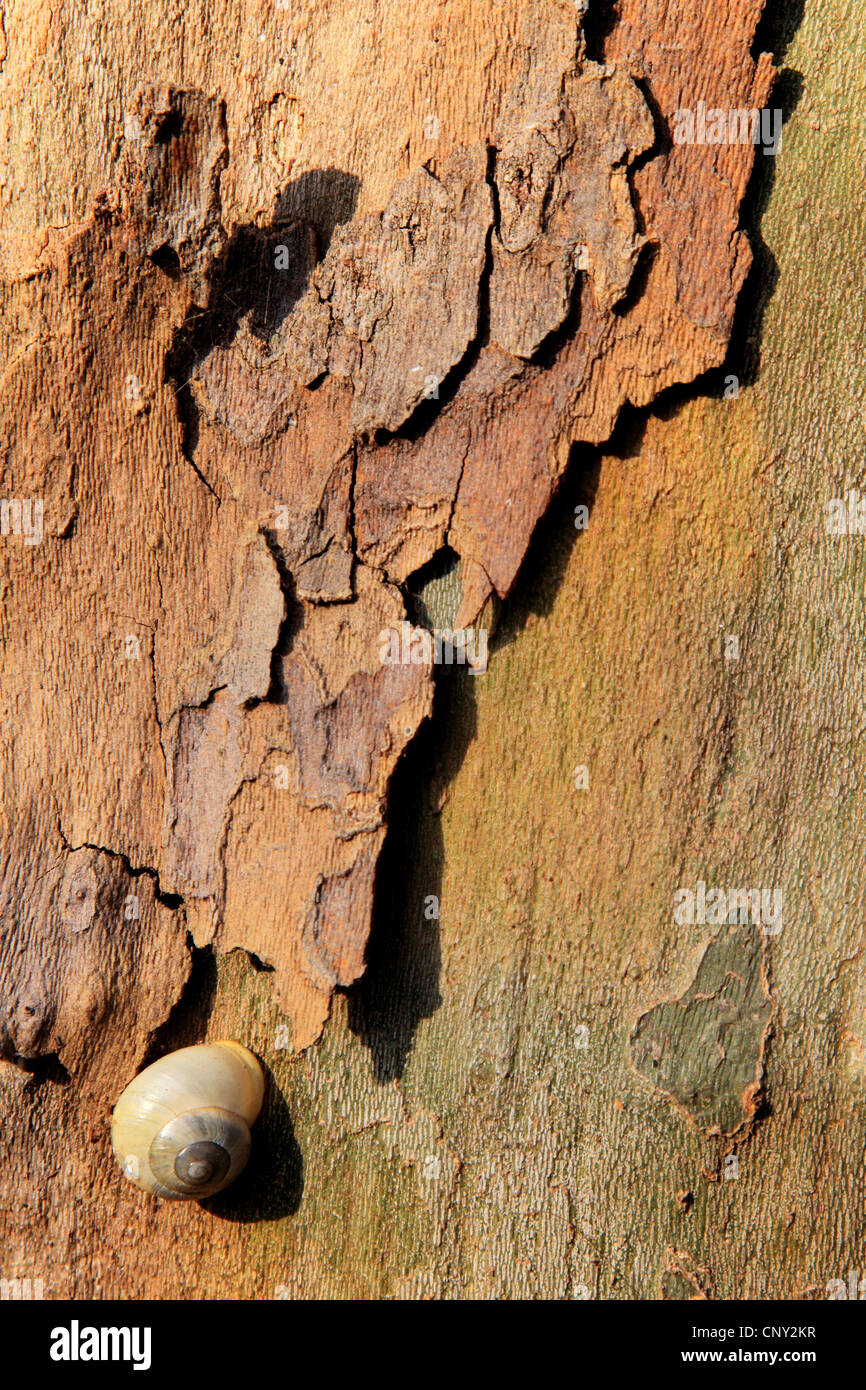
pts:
[515, 1047]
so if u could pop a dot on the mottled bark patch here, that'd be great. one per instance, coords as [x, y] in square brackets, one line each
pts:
[176, 149]
[394, 305]
[565, 204]
[682, 1279]
[706, 1049]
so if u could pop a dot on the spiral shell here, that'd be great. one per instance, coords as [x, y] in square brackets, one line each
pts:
[181, 1129]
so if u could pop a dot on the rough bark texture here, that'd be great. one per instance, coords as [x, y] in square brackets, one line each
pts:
[538, 1093]
[241, 744]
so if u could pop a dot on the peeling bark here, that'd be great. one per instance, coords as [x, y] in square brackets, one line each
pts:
[420, 385]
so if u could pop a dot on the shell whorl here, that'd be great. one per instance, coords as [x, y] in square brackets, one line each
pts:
[181, 1129]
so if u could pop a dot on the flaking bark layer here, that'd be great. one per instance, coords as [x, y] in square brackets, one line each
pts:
[240, 467]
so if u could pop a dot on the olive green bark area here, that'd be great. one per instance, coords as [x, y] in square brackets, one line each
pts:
[706, 1048]
[472, 1123]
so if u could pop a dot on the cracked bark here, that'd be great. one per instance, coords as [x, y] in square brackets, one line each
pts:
[283, 392]
[548, 258]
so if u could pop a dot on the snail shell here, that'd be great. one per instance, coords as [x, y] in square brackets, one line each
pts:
[181, 1129]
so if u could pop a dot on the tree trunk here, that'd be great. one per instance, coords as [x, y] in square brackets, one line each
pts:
[302, 302]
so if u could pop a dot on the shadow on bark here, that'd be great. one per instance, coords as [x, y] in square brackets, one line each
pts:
[547, 557]
[272, 1184]
[242, 284]
[775, 32]
[400, 987]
